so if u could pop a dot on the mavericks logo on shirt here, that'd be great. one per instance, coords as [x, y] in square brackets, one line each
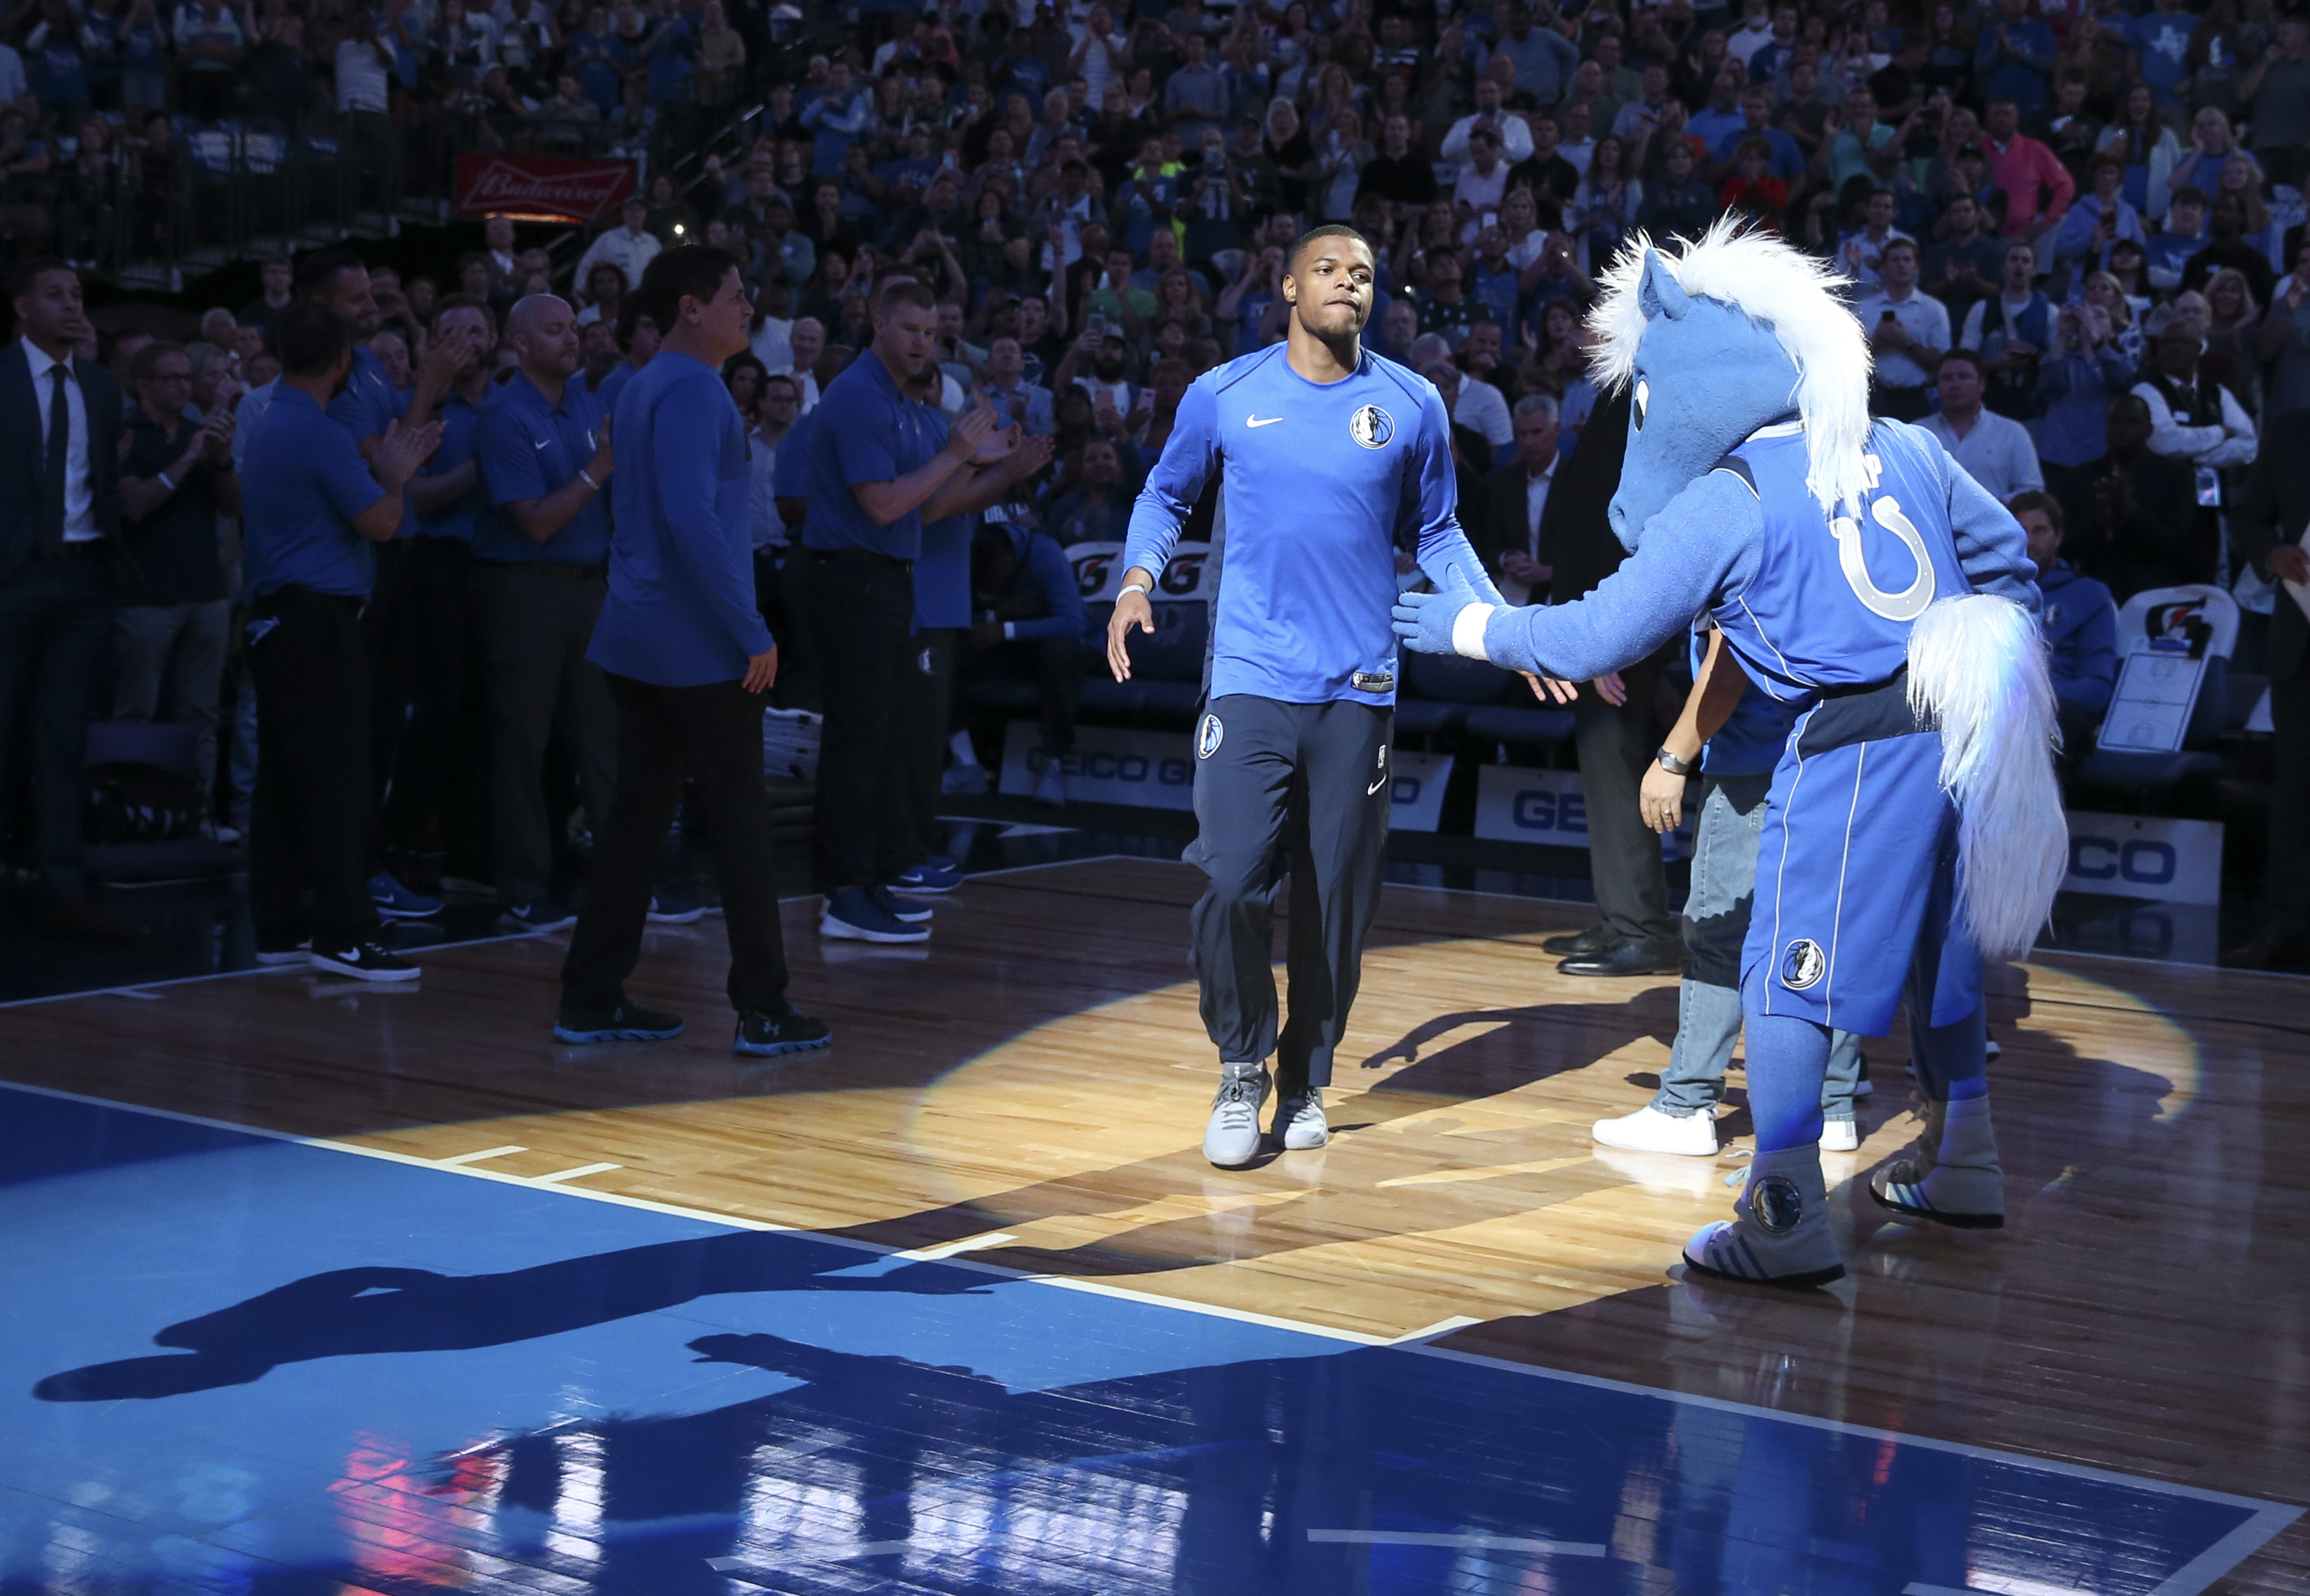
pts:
[1371, 425]
[1208, 737]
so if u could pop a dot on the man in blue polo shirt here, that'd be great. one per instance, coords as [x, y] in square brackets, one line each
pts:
[542, 547]
[312, 514]
[437, 777]
[878, 471]
[925, 697]
[366, 407]
[690, 664]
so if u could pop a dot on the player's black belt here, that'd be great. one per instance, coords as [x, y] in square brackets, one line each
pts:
[1860, 714]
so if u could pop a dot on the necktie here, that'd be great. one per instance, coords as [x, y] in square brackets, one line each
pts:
[52, 474]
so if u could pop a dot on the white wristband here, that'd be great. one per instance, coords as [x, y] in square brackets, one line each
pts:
[165, 483]
[586, 477]
[1131, 587]
[1468, 631]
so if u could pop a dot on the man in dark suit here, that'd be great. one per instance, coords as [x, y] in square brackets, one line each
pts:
[1516, 502]
[60, 420]
[1615, 728]
[2132, 515]
[2267, 528]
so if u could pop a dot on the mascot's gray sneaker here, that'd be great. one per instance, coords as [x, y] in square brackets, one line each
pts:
[1782, 1237]
[1951, 1174]
[1299, 1124]
[1231, 1139]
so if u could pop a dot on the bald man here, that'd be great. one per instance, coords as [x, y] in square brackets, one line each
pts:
[542, 549]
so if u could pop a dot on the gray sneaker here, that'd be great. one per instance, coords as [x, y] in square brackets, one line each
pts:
[1299, 1124]
[1231, 1139]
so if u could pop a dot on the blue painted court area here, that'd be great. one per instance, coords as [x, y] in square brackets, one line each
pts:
[233, 1364]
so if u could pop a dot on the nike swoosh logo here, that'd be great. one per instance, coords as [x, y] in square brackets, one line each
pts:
[1256, 422]
[1375, 787]
[543, 441]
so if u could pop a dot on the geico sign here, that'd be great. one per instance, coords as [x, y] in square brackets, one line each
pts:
[2146, 856]
[1096, 766]
[2135, 862]
[1549, 812]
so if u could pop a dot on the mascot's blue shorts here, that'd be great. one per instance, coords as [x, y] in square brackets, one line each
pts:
[1856, 874]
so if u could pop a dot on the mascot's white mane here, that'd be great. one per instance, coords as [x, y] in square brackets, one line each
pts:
[1789, 292]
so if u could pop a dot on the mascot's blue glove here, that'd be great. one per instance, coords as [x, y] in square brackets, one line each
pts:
[1427, 622]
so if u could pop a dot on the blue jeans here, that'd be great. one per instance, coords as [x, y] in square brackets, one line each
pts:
[1716, 924]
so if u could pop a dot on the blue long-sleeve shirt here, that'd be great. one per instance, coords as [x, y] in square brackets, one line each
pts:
[680, 608]
[1044, 567]
[1321, 483]
[2079, 623]
[1747, 542]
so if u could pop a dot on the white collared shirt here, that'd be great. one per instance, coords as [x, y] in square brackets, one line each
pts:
[80, 500]
[1535, 505]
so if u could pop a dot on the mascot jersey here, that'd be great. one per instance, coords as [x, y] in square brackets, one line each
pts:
[1321, 482]
[1856, 864]
[1749, 544]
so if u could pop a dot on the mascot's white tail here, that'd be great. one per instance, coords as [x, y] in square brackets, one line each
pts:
[1977, 669]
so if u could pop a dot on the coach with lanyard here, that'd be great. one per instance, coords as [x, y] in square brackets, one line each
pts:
[1329, 459]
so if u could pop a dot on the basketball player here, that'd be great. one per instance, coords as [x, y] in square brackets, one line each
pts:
[1329, 458]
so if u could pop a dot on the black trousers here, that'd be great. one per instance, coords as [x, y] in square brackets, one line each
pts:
[781, 572]
[2287, 883]
[538, 622]
[56, 628]
[862, 617]
[926, 710]
[1624, 854]
[436, 773]
[308, 821]
[713, 734]
[1295, 789]
[1054, 665]
[389, 625]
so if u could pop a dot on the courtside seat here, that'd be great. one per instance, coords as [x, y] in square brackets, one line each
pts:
[1442, 690]
[2207, 618]
[170, 751]
[1536, 727]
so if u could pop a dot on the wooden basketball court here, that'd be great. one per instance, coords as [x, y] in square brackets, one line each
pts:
[1030, 1092]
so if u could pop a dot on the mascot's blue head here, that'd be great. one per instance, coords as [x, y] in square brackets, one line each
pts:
[1733, 331]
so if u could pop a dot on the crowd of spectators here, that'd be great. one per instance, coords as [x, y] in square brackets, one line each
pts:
[2073, 232]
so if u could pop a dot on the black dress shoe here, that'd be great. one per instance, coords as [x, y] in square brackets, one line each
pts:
[1627, 959]
[2265, 948]
[1596, 939]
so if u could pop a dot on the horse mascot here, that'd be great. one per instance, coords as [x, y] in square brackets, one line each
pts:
[1861, 577]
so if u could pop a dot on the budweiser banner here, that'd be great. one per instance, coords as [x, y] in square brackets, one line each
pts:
[541, 187]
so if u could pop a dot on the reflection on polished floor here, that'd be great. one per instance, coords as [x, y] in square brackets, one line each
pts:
[956, 1306]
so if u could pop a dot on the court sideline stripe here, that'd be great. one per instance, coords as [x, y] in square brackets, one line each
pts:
[2268, 1518]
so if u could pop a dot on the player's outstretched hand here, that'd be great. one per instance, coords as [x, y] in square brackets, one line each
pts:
[1132, 610]
[1423, 621]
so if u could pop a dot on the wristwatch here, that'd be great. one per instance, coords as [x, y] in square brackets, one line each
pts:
[1672, 765]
